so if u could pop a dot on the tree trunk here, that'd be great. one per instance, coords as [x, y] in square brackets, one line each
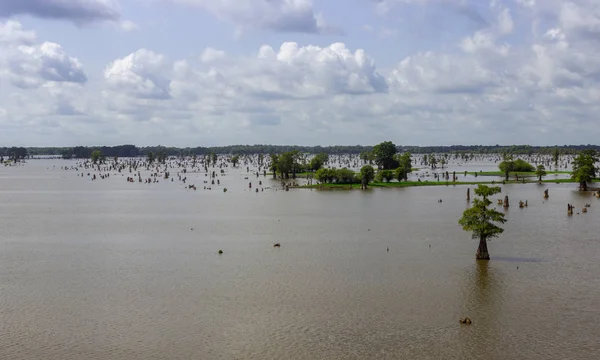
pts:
[482, 250]
[583, 186]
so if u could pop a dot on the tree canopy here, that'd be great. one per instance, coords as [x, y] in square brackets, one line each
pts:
[367, 174]
[584, 168]
[384, 155]
[480, 220]
[404, 166]
[96, 156]
[540, 172]
[318, 161]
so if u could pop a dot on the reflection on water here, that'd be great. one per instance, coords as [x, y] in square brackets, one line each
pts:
[113, 270]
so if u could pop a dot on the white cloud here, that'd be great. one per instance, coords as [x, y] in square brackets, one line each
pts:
[140, 75]
[483, 86]
[128, 26]
[277, 15]
[12, 32]
[30, 65]
[209, 55]
[505, 22]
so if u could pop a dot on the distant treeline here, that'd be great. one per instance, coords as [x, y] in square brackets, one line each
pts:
[133, 151]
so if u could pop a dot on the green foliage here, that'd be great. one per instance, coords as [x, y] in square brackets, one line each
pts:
[17, 153]
[479, 219]
[367, 156]
[318, 161]
[540, 172]
[385, 175]
[555, 156]
[234, 160]
[67, 154]
[367, 173]
[337, 176]
[384, 154]
[161, 156]
[510, 165]
[286, 164]
[433, 161]
[96, 156]
[346, 176]
[404, 166]
[523, 166]
[584, 168]
[150, 157]
[274, 164]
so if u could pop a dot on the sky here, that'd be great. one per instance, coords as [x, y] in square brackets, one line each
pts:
[305, 72]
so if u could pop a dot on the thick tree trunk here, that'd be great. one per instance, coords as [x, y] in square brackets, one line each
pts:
[363, 184]
[482, 250]
[583, 186]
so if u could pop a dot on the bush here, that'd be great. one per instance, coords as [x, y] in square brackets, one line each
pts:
[516, 166]
[346, 176]
[385, 175]
[338, 176]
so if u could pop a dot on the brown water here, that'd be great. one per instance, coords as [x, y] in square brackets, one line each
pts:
[112, 270]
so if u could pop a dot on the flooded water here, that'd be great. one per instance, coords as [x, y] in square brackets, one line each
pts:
[108, 269]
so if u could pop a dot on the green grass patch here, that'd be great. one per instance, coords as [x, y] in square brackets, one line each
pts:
[430, 183]
[523, 173]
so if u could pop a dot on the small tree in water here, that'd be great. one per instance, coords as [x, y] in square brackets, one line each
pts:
[480, 220]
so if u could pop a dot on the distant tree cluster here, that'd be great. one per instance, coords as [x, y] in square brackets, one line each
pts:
[366, 152]
[14, 153]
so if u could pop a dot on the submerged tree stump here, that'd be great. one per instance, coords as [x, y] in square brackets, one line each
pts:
[546, 194]
[506, 202]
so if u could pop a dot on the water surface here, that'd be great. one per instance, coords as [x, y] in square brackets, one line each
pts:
[108, 269]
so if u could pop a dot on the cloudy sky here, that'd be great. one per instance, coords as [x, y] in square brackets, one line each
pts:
[218, 72]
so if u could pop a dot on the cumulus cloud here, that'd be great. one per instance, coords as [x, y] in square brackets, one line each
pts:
[31, 65]
[496, 84]
[314, 71]
[140, 75]
[276, 15]
[209, 55]
[78, 11]
[34, 65]
[12, 32]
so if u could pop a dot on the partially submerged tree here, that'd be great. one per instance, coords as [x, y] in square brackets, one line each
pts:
[234, 160]
[584, 168]
[480, 220]
[318, 161]
[556, 157]
[507, 165]
[96, 156]
[540, 172]
[151, 157]
[367, 173]
[404, 166]
[367, 156]
[385, 155]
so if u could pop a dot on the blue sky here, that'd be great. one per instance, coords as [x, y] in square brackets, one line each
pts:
[217, 72]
